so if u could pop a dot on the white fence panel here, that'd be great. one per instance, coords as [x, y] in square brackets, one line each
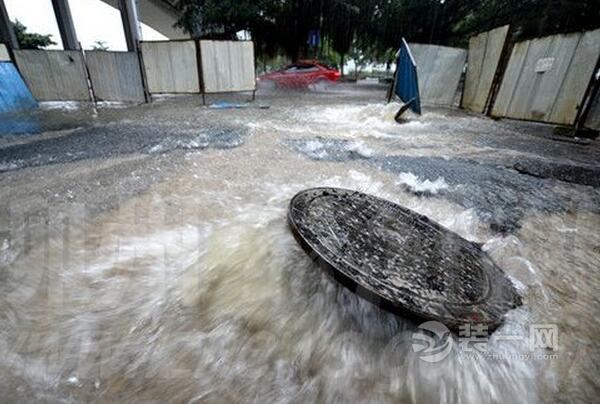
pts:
[227, 66]
[115, 76]
[54, 75]
[485, 51]
[439, 69]
[171, 66]
[546, 78]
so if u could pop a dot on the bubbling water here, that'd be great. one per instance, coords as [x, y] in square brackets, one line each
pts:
[196, 291]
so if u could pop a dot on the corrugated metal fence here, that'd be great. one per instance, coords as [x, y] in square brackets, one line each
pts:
[439, 69]
[199, 67]
[227, 66]
[546, 78]
[115, 76]
[485, 51]
[171, 66]
[54, 75]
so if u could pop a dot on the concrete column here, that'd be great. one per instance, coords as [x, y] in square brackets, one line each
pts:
[65, 24]
[7, 32]
[131, 25]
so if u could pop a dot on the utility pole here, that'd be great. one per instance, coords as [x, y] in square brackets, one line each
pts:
[131, 25]
[65, 24]
[7, 31]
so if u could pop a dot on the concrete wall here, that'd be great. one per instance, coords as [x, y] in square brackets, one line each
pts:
[546, 78]
[485, 51]
[4, 56]
[171, 67]
[54, 75]
[115, 76]
[227, 66]
[439, 69]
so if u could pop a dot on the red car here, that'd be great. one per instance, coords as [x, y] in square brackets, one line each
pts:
[301, 74]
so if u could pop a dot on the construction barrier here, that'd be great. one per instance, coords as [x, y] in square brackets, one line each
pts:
[54, 75]
[115, 76]
[171, 66]
[546, 78]
[485, 52]
[14, 94]
[439, 69]
[227, 66]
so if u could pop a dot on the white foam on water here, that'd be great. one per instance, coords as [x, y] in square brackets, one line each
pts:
[465, 224]
[12, 165]
[62, 105]
[422, 186]
[278, 127]
[360, 148]
[314, 149]
[252, 272]
[371, 120]
[509, 253]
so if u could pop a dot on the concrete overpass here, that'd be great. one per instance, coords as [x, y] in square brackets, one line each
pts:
[161, 15]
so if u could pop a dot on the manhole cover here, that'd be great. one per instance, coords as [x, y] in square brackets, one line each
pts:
[399, 259]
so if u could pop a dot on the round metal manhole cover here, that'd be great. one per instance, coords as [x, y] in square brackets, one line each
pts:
[400, 260]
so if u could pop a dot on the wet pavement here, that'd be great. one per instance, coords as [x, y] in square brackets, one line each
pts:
[144, 253]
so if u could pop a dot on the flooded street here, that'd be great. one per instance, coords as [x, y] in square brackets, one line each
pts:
[145, 255]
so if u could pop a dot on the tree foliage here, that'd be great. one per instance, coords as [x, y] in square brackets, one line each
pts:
[29, 40]
[373, 28]
[100, 46]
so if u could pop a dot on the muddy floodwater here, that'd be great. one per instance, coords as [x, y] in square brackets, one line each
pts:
[145, 255]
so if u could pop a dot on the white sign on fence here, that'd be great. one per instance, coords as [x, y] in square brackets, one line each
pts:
[543, 65]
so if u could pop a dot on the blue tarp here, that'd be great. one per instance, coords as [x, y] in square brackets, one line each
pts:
[407, 83]
[14, 94]
[19, 124]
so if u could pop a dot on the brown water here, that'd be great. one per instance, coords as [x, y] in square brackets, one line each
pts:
[194, 290]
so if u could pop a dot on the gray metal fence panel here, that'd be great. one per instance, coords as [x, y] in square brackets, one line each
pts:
[546, 78]
[577, 78]
[593, 118]
[439, 69]
[527, 83]
[115, 76]
[485, 51]
[54, 75]
[227, 66]
[171, 66]
[510, 79]
[4, 56]
[551, 82]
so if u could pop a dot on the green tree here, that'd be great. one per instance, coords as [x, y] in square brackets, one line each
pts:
[532, 18]
[341, 19]
[100, 46]
[375, 27]
[29, 40]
